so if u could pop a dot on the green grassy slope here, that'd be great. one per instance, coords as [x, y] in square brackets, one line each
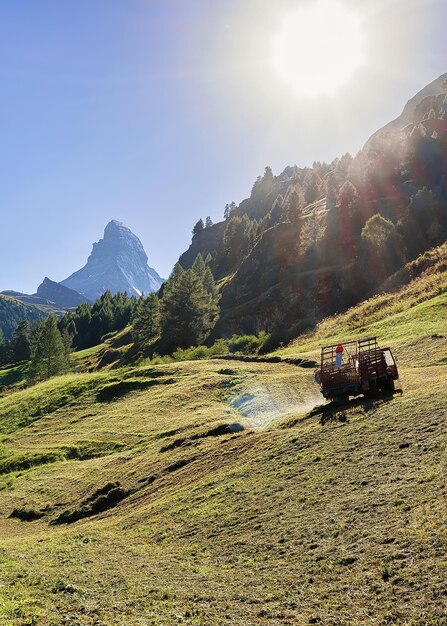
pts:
[13, 377]
[335, 523]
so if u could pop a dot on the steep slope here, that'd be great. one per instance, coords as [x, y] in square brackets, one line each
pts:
[51, 294]
[13, 311]
[410, 310]
[301, 256]
[281, 283]
[416, 108]
[165, 515]
[118, 262]
[208, 241]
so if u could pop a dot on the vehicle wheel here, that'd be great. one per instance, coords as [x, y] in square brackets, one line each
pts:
[373, 390]
[389, 385]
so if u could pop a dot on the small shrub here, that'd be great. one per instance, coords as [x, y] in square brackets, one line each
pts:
[248, 344]
[157, 359]
[194, 353]
[244, 344]
[219, 347]
[238, 344]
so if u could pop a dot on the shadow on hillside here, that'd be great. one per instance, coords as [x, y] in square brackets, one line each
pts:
[119, 388]
[337, 411]
[101, 500]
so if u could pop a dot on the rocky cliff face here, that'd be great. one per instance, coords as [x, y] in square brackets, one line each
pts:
[118, 262]
[432, 96]
[205, 242]
[54, 293]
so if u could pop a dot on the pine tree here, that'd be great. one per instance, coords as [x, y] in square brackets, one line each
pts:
[67, 340]
[83, 320]
[49, 356]
[34, 333]
[89, 323]
[209, 283]
[311, 188]
[175, 274]
[198, 227]
[348, 196]
[199, 266]
[208, 222]
[189, 310]
[238, 239]
[268, 173]
[203, 271]
[229, 209]
[20, 343]
[382, 247]
[4, 349]
[146, 321]
[293, 208]
[276, 210]
[331, 193]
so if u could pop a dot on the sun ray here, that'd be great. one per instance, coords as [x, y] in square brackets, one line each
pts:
[318, 48]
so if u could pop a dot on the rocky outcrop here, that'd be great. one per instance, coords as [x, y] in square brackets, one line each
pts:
[417, 108]
[50, 295]
[207, 241]
[54, 293]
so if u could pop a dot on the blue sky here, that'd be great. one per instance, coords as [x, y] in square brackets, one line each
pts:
[158, 112]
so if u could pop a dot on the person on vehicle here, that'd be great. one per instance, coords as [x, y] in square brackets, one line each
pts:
[338, 356]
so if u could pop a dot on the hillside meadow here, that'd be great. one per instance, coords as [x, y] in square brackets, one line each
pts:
[214, 492]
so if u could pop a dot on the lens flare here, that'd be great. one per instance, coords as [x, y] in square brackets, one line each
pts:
[318, 49]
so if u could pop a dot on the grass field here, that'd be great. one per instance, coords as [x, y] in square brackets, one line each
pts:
[209, 493]
[13, 377]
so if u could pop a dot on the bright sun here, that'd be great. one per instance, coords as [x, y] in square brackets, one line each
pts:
[318, 48]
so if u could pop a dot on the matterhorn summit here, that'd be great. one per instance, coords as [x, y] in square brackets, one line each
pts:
[117, 262]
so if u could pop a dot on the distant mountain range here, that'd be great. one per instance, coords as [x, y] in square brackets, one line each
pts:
[50, 294]
[118, 262]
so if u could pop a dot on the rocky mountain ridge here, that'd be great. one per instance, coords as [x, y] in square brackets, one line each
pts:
[50, 294]
[418, 107]
[118, 263]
